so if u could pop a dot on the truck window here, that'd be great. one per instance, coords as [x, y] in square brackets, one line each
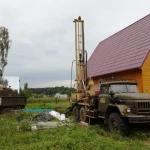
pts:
[118, 88]
[123, 88]
[132, 88]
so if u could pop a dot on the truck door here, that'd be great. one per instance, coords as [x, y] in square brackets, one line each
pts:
[103, 98]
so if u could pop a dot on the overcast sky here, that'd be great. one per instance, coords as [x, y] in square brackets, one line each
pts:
[42, 34]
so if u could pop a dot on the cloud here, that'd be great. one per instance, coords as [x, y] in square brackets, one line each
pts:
[42, 33]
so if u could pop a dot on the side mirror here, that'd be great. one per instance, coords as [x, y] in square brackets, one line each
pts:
[111, 93]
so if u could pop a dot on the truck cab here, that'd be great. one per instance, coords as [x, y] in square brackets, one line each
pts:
[110, 90]
[120, 103]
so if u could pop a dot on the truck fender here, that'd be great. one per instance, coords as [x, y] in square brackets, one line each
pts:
[114, 108]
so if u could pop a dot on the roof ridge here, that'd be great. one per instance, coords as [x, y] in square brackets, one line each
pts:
[123, 29]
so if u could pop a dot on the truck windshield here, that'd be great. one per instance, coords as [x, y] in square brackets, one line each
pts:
[123, 88]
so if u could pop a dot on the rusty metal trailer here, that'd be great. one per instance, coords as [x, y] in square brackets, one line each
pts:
[8, 103]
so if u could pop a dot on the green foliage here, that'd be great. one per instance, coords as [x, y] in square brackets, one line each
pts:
[4, 48]
[26, 92]
[51, 91]
[26, 86]
[24, 126]
[17, 135]
[72, 137]
[44, 92]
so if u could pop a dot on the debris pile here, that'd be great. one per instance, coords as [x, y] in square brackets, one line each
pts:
[45, 120]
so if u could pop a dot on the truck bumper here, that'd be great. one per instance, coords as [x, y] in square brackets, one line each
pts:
[139, 119]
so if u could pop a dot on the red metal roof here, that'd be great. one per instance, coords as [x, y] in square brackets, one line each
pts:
[125, 50]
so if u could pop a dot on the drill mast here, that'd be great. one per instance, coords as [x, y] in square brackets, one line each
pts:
[81, 55]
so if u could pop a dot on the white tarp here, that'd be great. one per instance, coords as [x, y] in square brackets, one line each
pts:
[57, 115]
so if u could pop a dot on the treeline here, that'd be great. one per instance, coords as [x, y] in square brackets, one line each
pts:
[51, 91]
[48, 91]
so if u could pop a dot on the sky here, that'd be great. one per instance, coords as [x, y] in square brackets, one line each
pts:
[42, 34]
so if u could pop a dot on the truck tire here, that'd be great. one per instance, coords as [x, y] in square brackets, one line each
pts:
[117, 123]
[83, 114]
[75, 113]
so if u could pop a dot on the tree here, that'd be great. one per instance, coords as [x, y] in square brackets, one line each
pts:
[5, 44]
[26, 86]
[26, 91]
[21, 91]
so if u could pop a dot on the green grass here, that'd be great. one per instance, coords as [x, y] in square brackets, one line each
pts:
[46, 100]
[73, 137]
[48, 104]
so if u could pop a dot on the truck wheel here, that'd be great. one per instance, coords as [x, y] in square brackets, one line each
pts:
[83, 114]
[75, 113]
[117, 123]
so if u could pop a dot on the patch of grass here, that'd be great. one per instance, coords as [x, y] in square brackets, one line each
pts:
[46, 100]
[51, 105]
[73, 137]
[64, 137]
[35, 103]
[46, 105]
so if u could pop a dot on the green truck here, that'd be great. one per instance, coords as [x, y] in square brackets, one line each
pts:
[118, 103]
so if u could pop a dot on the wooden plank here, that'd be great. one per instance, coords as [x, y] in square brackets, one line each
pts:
[146, 75]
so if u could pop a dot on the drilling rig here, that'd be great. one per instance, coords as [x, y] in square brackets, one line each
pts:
[115, 100]
[83, 97]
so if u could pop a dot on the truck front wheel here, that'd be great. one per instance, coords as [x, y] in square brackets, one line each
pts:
[83, 114]
[117, 123]
[75, 113]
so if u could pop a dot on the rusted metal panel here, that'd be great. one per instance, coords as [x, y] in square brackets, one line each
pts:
[13, 101]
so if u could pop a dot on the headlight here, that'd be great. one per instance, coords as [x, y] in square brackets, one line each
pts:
[127, 110]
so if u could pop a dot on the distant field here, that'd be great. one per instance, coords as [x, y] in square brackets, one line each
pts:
[47, 103]
[73, 137]
[46, 100]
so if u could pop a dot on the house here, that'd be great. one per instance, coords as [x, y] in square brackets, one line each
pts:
[126, 54]
[58, 95]
[63, 95]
